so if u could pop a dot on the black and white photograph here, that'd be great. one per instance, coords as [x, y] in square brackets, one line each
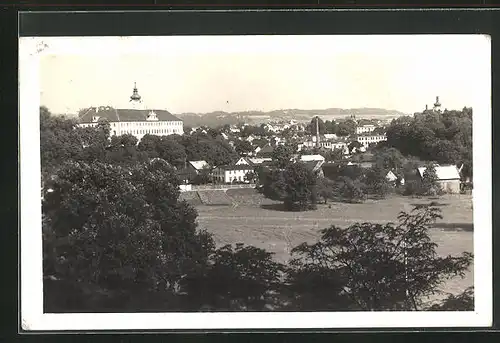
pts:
[246, 182]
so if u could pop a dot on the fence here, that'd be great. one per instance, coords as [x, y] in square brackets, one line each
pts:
[218, 187]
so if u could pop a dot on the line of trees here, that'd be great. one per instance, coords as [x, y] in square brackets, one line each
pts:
[445, 137]
[342, 128]
[117, 238]
[62, 139]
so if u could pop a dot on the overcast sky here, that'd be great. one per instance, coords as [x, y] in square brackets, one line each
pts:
[239, 73]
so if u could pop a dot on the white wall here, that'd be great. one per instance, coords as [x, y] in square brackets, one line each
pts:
[367, 140]
[141, 128]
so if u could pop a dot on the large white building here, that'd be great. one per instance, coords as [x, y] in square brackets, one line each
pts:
[366, 140]
[365, 129]
[136, 120]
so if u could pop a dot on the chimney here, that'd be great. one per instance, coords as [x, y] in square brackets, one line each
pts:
[317, 132]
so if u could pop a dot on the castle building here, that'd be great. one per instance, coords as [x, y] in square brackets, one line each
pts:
[135, 120]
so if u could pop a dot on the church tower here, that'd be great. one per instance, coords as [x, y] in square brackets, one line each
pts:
[437, 105]
[135, 99]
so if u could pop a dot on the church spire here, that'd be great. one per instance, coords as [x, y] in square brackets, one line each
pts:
[135, 95]
[437, 104]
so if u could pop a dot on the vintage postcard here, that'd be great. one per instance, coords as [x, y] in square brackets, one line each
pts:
[255, 182]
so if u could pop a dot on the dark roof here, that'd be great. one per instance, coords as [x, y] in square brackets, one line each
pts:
[267, 148]
[114, 115]
[313, 165]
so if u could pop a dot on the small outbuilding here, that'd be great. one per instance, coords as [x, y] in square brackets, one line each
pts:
[448, 178]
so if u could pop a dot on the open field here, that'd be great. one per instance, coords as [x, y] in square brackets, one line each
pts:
[257, 221]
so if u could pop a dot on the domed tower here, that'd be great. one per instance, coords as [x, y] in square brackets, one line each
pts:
[437, 105]
[135, 99]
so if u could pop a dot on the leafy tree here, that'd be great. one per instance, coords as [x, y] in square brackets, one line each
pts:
[120, 237]
[300, 187]
[331, 127]
[326, 189]
[311, 128]
[149, 145]
[243, 147]
[271, 183]
[351, 190]
[282, 155]
[390, 159]
[203, 177]
[240, 278]
[123, 150]
[251, 176]
[378, 267]
[171, 150]
[346, 128]
[461, 302]
[59, 140]
[443, 137]
[200, 146]
[430, 184]
[95, 141]
[376, 182]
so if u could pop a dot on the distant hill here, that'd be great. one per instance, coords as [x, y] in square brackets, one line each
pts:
[257, 117]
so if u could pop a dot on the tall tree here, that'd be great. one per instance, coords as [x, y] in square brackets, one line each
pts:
[376, 181]
[59, 140]
[243, 147]
[311, 128]
[119, 236]
[282, 155]
[149, 145]
[378, 267]
[300, 187]
[346, 128]
[430, 184]
[239, 278]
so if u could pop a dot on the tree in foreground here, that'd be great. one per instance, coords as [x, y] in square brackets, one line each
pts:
[376, 266]
[460, 302]
[239, 278]
[118, 238]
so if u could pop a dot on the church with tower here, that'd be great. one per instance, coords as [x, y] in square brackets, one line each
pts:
[136, 120]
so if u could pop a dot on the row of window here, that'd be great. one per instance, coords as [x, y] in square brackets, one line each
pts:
[156, 123]
[371, 138]
[154, 132]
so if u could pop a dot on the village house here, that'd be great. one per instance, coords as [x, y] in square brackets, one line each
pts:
[266, 151]
[366, 140]
[448, 177]
[191, 170]
[197, 166]
[392, 178]
[365, 129]
[259, 161]
[232, 173]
